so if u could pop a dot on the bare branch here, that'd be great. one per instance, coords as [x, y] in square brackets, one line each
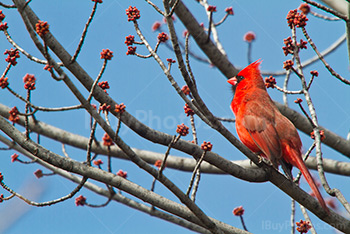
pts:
[327, 9]
[81, 42]
[25, 52]
[324, 16]
[48, 203]
[7, 6]
[105, 177]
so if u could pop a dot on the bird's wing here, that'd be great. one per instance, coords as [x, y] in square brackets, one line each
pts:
[264, 135]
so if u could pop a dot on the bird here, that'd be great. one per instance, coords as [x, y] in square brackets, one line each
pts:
[263, 129]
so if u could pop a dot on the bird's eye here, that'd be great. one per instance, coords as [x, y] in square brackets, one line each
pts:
[239, 78]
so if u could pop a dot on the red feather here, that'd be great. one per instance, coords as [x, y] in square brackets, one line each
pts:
[262, 128]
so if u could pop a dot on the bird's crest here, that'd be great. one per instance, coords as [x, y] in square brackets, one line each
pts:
[252, 68]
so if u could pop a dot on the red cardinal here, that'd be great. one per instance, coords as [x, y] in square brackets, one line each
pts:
[263, 129]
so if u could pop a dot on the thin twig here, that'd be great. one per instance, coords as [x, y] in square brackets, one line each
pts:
[8, 198]
[81, 42]
[287, 91]
[48, 203]
[194, 55]
[172, 142]
[97, 79]
[173, 9]
[249, 52]
[118, 125]
[7, 6]
[26, 111]
[29, 56]
[329, 68]
[25, 162]
[91, 138]
[285, 87]
[7, 69]
[64, 151]
[155, 7]
[307, 219]
[310, 82]
[196, 185]
[222, 20]
[327, 9]
[194, 132]
[292, 217]
[324, 16]
[212, 27]
[243, 223]
[46, 109]
[200, 160]
[188, 61]
[143, 56]
[100, 205]
[106, 117]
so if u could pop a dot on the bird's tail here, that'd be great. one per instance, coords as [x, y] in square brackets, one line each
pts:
[305, 171]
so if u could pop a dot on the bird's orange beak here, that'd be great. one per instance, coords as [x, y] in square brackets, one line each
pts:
[233, 81]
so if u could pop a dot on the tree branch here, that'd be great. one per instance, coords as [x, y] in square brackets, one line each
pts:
[105, 177]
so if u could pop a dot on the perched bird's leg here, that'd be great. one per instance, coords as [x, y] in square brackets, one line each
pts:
[287, 168]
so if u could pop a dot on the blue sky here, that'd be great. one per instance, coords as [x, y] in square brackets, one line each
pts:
[148, 95]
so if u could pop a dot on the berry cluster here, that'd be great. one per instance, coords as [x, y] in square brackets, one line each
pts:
[14, 115]
[42, 28]
[105, 108]
[29, 82]
[120, 108]
[229, 11]
[186, 90]
[182, 129]
[3, 26]
[238, 211]
[14, 157]
[288, 64]
[162, 37]
[133, 13]
[211, 8]
[103, 85]
[206, 146]
[3, 82]
[270, 82]
[107, 140]
[303, 226]
[131, 50]
[80, 201]
[122, 173]
[12, 56]
[129, 40]
[294, 18]
[106, 54]
[188, 110]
